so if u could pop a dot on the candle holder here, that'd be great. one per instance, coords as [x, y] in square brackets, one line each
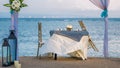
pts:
[69, 27]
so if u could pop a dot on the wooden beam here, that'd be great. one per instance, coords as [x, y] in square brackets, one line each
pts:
[82, 25]
[90, 40]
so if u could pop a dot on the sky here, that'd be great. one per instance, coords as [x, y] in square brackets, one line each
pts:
[61, 8]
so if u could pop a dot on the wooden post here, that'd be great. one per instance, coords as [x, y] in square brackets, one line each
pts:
[90, 40]
[40, 43]
[105, 47]
[40, 32]
[82, 25]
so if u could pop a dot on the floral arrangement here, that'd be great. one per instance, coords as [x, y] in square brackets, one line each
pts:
[16, 5]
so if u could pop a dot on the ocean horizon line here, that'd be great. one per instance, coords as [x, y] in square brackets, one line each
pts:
[62, 19]
[65, 17]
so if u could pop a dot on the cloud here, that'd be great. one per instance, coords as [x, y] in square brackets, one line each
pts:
[114, 5]
[58, 7]
[48, 5]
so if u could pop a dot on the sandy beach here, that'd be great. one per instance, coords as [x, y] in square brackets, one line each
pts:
[33, 62]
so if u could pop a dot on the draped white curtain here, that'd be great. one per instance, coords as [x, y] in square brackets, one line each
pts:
[63, 45]
[103, 4]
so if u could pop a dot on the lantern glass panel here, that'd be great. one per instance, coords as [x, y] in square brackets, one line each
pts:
[6, 57]
[13, 50]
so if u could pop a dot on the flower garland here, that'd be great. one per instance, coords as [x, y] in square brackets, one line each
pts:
[16, 5]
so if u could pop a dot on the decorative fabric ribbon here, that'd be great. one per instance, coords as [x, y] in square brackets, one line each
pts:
[11, 11]
[104, 13]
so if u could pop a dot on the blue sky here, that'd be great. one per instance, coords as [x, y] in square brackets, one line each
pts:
[61, 8]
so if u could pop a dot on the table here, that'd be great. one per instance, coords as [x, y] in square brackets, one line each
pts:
[73, 43]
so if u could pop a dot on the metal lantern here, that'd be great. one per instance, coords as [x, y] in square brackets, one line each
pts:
[13, 44]
[6, 53]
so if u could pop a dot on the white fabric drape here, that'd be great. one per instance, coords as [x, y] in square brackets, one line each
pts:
[63, 45]
[103, 4]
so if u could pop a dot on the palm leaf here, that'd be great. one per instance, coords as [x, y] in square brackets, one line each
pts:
[21, 1]
[11, 1]
[24, 5]
[7, 5]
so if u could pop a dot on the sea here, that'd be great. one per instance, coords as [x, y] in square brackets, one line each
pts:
[28, 33]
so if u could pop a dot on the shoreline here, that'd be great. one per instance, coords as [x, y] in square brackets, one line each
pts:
[66, 62]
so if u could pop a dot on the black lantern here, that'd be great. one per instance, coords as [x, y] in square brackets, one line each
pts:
[6, 53]
[13, 44]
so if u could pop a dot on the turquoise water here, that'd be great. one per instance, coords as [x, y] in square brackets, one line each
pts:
[28, 33]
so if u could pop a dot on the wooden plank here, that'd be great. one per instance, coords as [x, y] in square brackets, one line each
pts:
[82, 25]
[40, 32]
[40, 43]
[90, 40]
[92, 44]
[77, 54]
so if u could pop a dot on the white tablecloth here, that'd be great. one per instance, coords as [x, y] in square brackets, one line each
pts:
[63, 45]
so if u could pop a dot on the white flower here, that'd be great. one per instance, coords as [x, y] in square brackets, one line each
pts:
[13, 6]
[16, 5]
